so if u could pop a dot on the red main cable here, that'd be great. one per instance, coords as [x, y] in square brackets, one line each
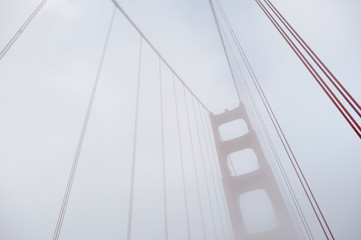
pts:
[313, 55]
[304, 61]
[355, 106]
[341, 108]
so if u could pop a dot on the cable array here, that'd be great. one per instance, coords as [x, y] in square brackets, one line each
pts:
[121, 10]
[181, 158]
[316, 74]
[195, 169]
[191, 136]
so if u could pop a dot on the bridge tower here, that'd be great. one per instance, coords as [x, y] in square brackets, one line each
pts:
[260, 179]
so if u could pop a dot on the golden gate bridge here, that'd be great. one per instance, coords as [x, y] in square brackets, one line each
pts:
[209, 185]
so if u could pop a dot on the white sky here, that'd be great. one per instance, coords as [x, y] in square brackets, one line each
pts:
[46, 79]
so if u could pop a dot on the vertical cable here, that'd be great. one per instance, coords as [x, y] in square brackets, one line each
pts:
[220, 184]
[156, 51]
[181, 159]
[194, 164]
[22, 29]
[130, 210]
[163, 155]
[81, 139]
[204, 169]
[212, 175]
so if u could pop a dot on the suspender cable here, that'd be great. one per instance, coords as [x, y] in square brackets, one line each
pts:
[21, 30]
[212, 175]
[220, 186]
[135, 134]
[156, 51]
[335, 82]
[194, 164]
[81, 139]
[163, 155]
[204, 169]
[341, 108]
[181, 159]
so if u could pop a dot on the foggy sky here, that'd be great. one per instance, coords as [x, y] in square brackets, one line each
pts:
[46, 80]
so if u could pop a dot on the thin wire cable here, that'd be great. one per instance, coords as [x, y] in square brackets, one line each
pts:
[220, 184]
[204, 169]
[163, 154]
[157, 52]
[130, 209]
[64, 204]
[181, 159]
[21, 30]
[335, 82]
[212, 175]
[290, 152]
[194, 164]
[341, 108]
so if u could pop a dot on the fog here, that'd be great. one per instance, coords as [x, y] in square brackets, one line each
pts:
[46, 81]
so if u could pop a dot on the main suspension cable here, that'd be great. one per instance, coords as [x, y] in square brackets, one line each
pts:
[21, 30]
[341, 108]
[335, 82]
[156, 51]
[295, 164]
